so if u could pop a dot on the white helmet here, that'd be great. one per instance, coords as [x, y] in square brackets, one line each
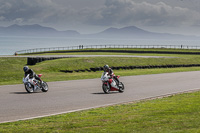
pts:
[106, 67]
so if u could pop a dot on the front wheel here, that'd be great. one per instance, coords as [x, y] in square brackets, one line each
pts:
[29, 88]
[45, 87]
[121, 87]
[106, 88]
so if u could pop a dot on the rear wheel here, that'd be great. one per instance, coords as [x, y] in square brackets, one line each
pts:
[29, 88]
[121, 87]
[106, 88]
[45, 87]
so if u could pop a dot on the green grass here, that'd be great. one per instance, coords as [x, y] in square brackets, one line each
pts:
[11, 70]
[174, 114]
[12, 73]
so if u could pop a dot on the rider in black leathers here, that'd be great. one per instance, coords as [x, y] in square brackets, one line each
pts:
[31, 73]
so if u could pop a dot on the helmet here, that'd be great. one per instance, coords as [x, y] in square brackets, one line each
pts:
[25, 68]
[106, 67]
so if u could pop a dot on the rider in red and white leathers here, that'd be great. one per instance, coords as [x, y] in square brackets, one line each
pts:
[110, 72]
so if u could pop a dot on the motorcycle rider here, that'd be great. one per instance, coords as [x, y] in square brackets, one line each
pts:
[31, 74]
[110, 72]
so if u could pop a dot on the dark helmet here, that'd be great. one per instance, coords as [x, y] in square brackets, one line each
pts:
[106, 67]
[25, 68]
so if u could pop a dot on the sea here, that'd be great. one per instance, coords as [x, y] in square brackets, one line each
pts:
[9, 45]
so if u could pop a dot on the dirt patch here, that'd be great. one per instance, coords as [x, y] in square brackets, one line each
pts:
[89, 61]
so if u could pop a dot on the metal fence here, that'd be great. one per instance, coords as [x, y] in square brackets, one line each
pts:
[35, 50]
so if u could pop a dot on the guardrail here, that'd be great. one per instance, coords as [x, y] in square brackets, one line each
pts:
[35, 50]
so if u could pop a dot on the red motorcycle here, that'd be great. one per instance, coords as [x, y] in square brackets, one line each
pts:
[110, 83]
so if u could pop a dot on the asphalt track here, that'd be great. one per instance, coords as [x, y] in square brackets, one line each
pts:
[68, 96]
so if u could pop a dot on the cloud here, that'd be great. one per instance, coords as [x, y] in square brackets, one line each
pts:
[26, 11]
[109, 13]
[128, 12]
[43, 11]
[13, 10]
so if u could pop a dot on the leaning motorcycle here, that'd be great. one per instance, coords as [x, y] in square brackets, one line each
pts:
[33, 85]
[109, 83]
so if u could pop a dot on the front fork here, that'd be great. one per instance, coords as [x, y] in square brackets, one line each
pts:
[29, 85]
[107, 83]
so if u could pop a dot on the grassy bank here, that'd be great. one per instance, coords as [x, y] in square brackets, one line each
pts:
[12, 73]
[178, 113]
[11, 70]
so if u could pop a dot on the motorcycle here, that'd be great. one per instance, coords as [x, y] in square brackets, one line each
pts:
[109, 83]
[33, 85]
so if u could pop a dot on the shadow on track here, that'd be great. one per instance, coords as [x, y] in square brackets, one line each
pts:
[19, 93]
[100, 93]
[23, 92]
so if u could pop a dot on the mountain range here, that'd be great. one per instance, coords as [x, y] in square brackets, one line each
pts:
[130, 32]
[34, 30]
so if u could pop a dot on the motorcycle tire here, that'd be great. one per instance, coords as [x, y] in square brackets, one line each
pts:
[121, 87]
[29, 89]
[45, 87]
[106, 88]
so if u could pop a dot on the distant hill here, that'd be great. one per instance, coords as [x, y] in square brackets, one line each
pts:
[130, 32]
[126, 30]
[133, 32]
[34, 30]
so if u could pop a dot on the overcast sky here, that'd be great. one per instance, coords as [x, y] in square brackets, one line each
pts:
[91, 16]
